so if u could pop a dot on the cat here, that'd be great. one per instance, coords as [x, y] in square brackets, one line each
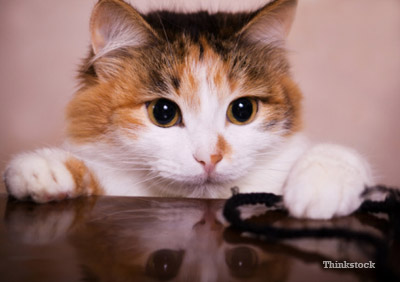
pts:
[189, 105]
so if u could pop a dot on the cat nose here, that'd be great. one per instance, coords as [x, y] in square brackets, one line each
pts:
[210, 164]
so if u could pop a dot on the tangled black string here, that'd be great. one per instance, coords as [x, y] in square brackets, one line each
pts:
[390, 206]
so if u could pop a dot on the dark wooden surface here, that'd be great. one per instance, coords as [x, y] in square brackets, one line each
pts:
[159, 239]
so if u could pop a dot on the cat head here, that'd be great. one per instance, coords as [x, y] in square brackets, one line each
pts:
[193, 100]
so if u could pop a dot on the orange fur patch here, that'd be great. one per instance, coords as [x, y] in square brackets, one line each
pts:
[294, 94]
[218, 79]
[85, 182]
[189, 85]
[217, 72]
[215, 158]
[106, 106]
[223, 147]
[88, 115]
[131, 119]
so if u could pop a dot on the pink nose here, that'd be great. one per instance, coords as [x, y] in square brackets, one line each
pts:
[209, 165]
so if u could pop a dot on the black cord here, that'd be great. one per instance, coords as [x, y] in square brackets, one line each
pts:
[390, 206]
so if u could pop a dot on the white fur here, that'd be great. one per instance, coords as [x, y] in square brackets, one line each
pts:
[119, 36]
[41, 175]
[271, 171]
[326, 181]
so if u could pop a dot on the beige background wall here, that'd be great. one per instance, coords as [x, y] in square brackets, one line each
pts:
[345, 56]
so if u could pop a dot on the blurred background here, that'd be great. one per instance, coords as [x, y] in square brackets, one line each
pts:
[345, 56]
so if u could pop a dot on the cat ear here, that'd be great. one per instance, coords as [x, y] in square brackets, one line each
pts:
[115, 24]
[271, 23]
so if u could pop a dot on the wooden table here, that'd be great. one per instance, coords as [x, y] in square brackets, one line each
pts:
[158, 239]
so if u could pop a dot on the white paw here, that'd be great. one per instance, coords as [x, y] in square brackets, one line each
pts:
[327, 181]
[40, 175]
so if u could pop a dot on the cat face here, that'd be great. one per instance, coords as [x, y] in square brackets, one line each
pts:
[190, 100]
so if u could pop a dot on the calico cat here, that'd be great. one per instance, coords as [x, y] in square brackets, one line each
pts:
[189, 105]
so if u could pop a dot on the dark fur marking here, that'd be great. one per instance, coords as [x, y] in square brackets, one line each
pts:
[175, 82]
[270, 124]
[289, 111]
[201, 51]
[217, 28]
[157, 81]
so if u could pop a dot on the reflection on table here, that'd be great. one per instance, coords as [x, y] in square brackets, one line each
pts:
[158, 239]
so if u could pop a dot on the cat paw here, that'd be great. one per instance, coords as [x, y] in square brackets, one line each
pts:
[41, 176]
[325, 182]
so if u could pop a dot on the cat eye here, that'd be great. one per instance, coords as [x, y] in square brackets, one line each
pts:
[164, 113]
[242, 261]
[242, 111]
[164, 264]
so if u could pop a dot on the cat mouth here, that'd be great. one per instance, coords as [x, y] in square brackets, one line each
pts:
[200, 179]
[210, 178]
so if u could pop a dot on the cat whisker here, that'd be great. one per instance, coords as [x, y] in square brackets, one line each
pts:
[270, 169]
[145, 180]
